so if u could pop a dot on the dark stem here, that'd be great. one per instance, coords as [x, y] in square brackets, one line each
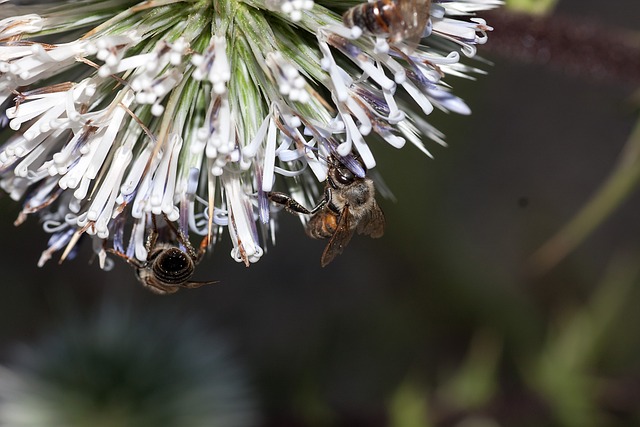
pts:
[574, 46]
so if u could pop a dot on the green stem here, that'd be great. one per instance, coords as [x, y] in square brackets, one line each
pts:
[615, 190]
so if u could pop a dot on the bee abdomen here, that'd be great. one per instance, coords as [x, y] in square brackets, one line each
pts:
[372, 18]
[173, 266]
[322, 226]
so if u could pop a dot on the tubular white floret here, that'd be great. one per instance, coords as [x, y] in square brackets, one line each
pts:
[466, 7]
[290, 83]
[25, 64]
[57, 242]
[217, 137]
[155, 189]
[156, 73]
[17, 25]
[269, 157]
[214, 65]
[292, 8]
[242, 227]
[111, 50]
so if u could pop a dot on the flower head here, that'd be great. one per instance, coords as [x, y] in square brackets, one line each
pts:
[118, 368]
[195, 110]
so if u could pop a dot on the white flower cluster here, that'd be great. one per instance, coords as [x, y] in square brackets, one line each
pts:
[194, 110]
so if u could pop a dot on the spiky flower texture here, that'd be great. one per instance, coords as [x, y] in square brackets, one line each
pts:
[120, 367]
[119, 111]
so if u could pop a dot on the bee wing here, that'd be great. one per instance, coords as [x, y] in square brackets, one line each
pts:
[339, 239]
[415, 14]
[372, 224]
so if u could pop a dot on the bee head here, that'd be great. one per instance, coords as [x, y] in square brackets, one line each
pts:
[344, 170]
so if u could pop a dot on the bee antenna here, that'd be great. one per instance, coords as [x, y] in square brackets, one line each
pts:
[197, 284]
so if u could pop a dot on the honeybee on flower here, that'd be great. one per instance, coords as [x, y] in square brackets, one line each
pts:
[117, 112]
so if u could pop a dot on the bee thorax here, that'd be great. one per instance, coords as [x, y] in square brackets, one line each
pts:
[397, 19]
[359, 193]
[370, 17]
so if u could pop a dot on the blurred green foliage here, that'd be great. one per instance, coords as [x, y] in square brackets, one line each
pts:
[537, 7]
[126, 368]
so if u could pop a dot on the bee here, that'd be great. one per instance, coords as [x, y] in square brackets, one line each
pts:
[397, 19]
[167, 267]
[348, 206]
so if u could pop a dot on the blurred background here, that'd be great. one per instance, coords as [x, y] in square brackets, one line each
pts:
[456, 317]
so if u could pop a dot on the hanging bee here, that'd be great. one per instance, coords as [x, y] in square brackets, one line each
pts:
[167, 268]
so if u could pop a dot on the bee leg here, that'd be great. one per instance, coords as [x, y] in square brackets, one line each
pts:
[288, 203]
[182, 238]
[322, 203]
[153, 235]
[202, 249]
[133, 261]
